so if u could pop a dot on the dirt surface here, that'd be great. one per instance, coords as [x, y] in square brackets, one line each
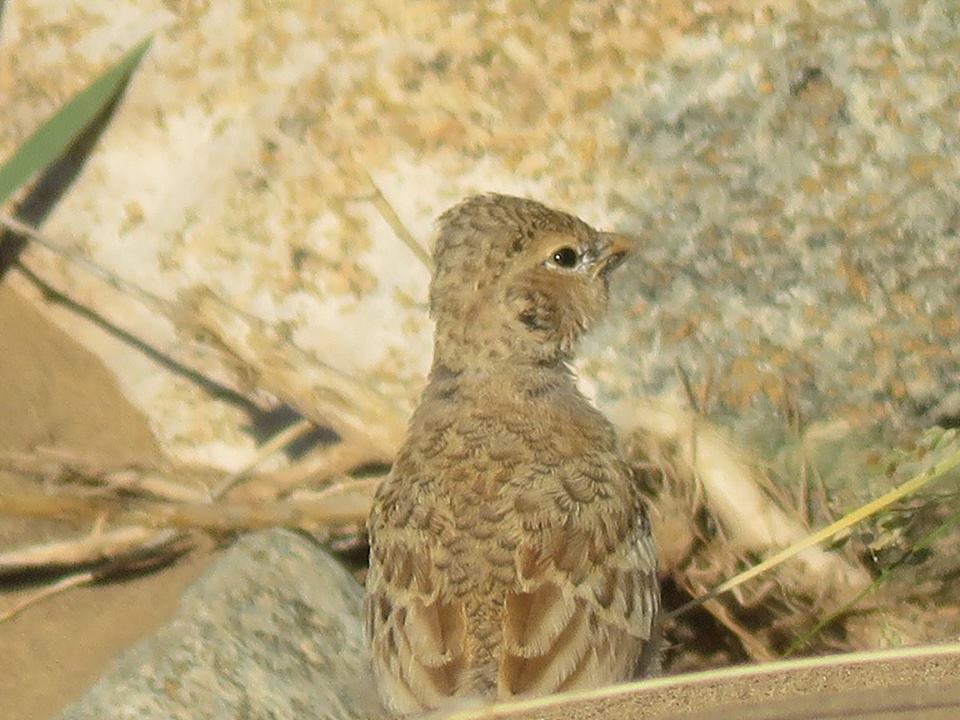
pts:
[56, 394]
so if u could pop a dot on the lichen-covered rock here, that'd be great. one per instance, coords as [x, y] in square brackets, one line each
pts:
[797, 181]
[272, 630]
[793, 168]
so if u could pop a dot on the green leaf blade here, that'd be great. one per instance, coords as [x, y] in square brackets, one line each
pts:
[53, 138]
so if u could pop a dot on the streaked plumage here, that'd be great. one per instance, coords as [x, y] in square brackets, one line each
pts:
[510, 547]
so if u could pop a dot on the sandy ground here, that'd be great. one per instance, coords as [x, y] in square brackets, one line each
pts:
[54, 393]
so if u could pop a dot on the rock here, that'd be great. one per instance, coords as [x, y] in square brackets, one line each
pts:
[793, 167]
[272, 630]
[796, 184]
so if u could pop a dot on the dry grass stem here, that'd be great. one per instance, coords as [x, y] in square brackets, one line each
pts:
[847, 521]
[59, 466]
[318, 467]
[383, 206]
[340, 505]
[184, 356]
[752, 522]
[97, 547]
[349, 497]
[754, 647]
[182, 509]
[154, 302]
[62, 585]
[152, 483]
[329, 397]
[137, 542]
[164, 547]
[274, 445]
[54, 507]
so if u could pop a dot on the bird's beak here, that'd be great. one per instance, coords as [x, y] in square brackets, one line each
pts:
[616, 247]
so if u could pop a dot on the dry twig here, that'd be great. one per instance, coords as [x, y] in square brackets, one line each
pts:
[319, 467]
[752, 522]
[137, 541]
[97, 547]
[56, 465]
[383, 206]
[274, 445]
[182, 357]
[163, 548]
[331, 398]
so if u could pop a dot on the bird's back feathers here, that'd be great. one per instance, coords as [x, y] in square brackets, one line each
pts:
[511, 552]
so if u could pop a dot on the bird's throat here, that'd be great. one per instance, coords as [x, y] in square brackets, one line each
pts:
[528, 380]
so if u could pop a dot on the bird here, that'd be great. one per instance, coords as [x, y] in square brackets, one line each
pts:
[511, 553]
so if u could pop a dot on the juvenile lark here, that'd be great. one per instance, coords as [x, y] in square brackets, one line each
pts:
[510, 547]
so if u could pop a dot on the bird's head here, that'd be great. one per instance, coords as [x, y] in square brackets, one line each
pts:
[515, 281]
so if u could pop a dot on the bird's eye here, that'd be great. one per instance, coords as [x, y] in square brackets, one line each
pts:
[565, 257]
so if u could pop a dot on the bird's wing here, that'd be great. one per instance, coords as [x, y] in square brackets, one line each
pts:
[578, 613]
[415, 625]
[588, 596]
